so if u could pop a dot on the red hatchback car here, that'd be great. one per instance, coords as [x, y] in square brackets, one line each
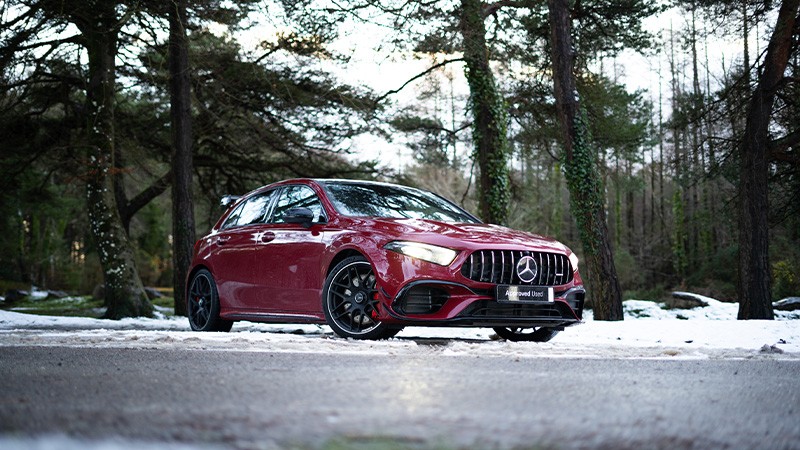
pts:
[370, 258]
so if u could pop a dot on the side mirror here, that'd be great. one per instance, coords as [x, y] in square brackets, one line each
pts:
[303, 216]
[228, 200]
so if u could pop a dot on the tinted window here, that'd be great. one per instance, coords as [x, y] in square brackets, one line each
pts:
[376, 200]
[253, 210]
[297, 197]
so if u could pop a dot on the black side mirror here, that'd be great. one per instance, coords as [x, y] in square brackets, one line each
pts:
[303, 216]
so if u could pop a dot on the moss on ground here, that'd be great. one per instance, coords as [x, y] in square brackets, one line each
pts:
[72, 306]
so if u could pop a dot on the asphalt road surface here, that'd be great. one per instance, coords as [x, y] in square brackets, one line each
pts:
[308, 401]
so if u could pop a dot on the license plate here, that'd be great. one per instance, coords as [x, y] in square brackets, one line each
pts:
[524, 294]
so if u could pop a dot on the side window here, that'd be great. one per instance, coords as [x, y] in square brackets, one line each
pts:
[297, 197]
[253, 210]
[231, 220]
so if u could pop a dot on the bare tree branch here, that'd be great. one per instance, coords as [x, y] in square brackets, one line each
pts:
[54, 42]
[779, 148]
[416, 77]
[143, 198]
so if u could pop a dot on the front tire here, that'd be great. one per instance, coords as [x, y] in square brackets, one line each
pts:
[203, 304]
[350, 301]
[540, 334]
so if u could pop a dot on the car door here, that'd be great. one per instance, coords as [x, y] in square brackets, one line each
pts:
[236, 268]
[291, 257]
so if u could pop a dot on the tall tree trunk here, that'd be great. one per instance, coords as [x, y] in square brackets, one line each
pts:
[180, 112]
[488, 115]
[696, 170]
[586, 193]
[617, 226]
[754, 273]
[124, 293]
[712, 167]
[746, 41]
[678, 213]
[661, 138]
[630, 207]
[558, 215]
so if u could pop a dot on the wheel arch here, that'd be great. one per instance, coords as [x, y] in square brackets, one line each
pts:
[191, 275]
[341, 256]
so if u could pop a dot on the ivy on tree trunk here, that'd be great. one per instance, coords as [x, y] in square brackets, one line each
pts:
[488, 115]
[583, 181]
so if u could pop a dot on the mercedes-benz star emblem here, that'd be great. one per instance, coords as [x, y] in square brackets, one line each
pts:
[526, 269]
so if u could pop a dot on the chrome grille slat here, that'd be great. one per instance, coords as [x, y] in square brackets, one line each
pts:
[499, 267]
[513, 271]
[557, 271]
[471, 266]
[541, 271]
[491, 278]
[502, 267]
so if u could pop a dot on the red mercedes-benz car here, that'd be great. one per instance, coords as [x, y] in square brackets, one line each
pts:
[370, 258]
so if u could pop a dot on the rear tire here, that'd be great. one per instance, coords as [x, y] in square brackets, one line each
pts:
[540, 334]
[203, 304]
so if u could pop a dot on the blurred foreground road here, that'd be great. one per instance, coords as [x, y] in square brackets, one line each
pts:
[304, 400]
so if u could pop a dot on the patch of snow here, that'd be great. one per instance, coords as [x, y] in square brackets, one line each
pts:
[648, 331]
[787, 304]
[61, 442]
[36, 294]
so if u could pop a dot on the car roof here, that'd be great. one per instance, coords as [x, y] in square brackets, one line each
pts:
[323, 181]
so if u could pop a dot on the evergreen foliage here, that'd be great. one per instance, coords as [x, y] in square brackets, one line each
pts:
[664, 165]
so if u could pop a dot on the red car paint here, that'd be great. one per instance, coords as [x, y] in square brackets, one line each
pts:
[275, 272]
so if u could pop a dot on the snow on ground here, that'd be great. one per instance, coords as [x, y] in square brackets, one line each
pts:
[63, 442]
[648, 331]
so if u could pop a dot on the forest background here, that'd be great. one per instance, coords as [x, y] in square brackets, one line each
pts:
[281, 89]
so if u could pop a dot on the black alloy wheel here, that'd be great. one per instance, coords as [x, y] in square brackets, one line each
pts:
[203, 304]
[540, 334]
[350, 301]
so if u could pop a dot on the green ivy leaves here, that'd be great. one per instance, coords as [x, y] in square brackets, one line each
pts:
[584, 185]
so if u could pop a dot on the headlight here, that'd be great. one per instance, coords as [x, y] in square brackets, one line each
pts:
[573, 259]
[426, 252]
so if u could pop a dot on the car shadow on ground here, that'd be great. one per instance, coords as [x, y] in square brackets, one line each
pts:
[427, 341]
[441, 342]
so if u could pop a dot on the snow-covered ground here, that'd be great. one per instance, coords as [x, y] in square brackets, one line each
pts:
[648, 331]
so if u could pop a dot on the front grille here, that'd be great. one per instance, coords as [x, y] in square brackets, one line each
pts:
[499, 267]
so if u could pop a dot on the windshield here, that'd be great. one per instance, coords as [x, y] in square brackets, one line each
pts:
[396, 202]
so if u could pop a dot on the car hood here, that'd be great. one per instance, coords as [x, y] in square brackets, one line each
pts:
[466, 236]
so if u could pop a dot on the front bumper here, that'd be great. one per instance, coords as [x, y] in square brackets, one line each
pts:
[415, 292]
[444, 303]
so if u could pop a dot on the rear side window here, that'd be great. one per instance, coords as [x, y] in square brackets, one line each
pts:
[251, 211]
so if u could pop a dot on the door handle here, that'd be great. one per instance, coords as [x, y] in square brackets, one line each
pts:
[222, 240]
[266, 237]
